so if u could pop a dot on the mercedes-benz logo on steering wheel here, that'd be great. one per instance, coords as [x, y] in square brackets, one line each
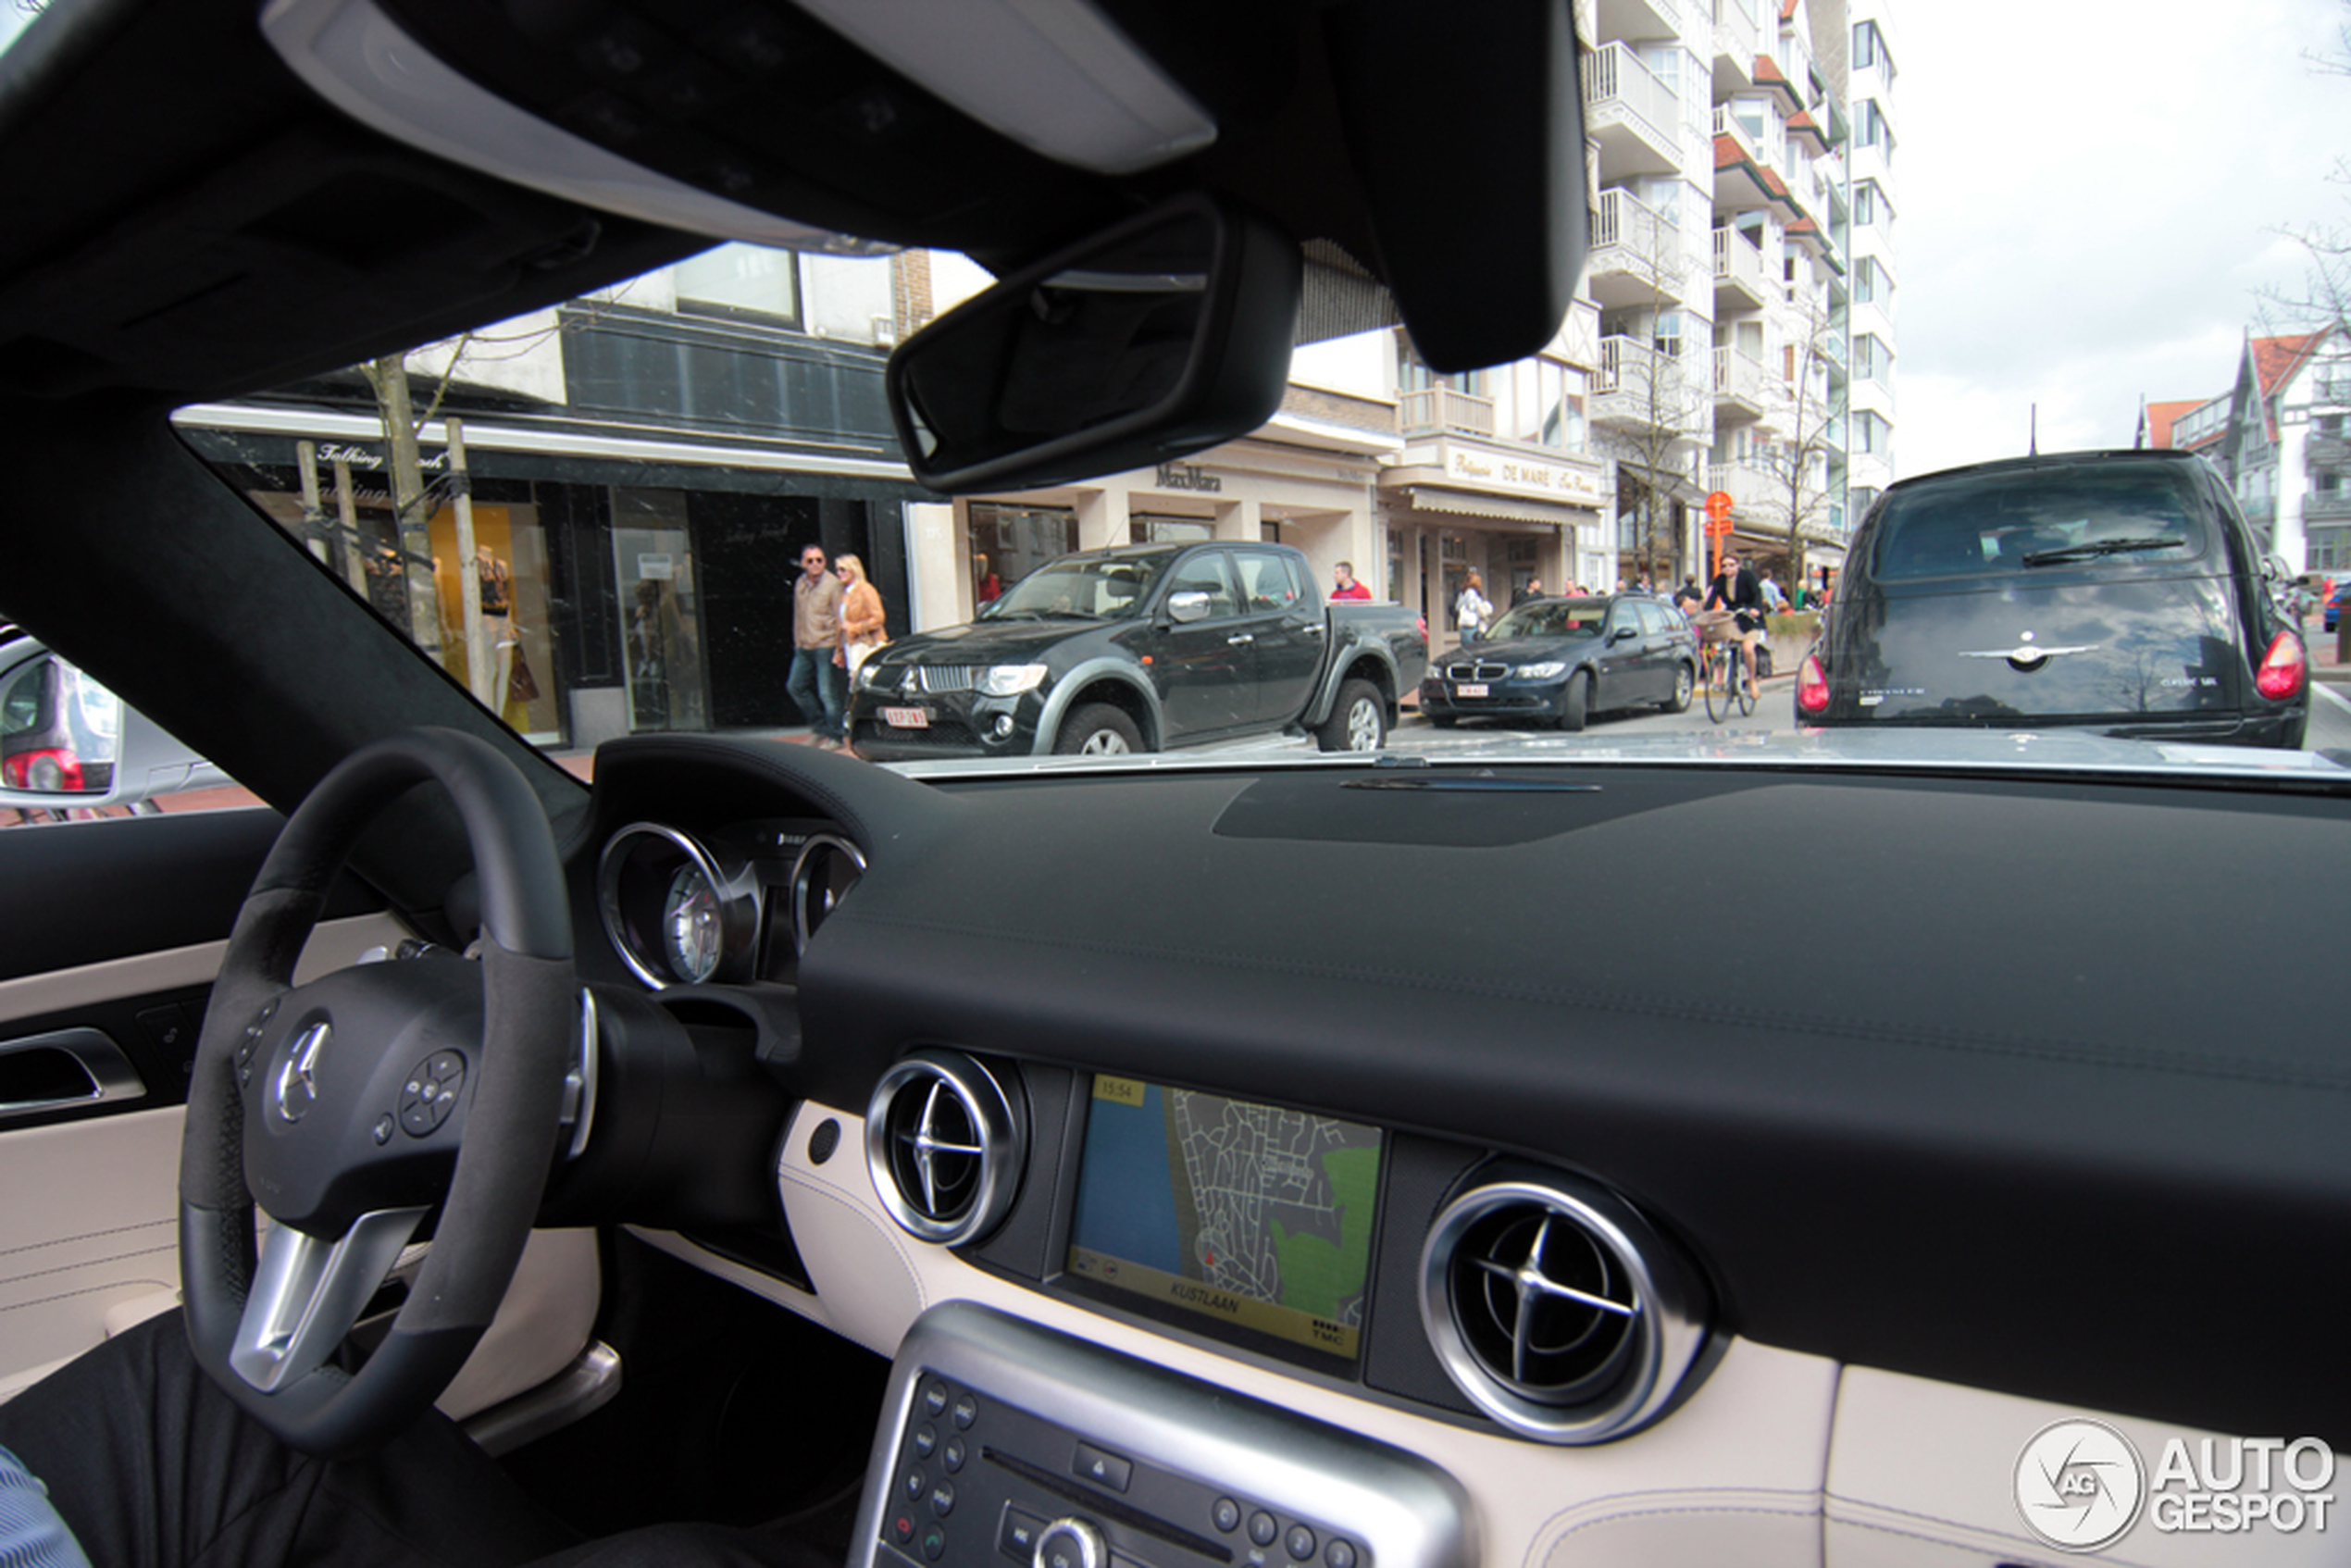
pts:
[294, 1090]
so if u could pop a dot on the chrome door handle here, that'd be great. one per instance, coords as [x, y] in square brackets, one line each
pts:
[1240, 637]
[101, 1062]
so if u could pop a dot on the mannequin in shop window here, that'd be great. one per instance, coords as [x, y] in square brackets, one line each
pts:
[496, 582]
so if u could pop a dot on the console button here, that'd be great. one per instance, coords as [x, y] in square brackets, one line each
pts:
[1103, 1469]
[1339, 1554]
[955, 1455]
[902, 1528]
[925, 1439]
[934, 1543]
[942, 1499]
[1299, 1541]
[1225, 1515]
[934, 1398]
[1016, 1538]
[967, 1409]
[916, 1483]
[1262, 1529]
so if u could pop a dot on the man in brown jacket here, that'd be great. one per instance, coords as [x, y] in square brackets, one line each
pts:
[816, 682]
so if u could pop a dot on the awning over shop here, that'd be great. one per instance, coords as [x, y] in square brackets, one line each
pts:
[1476, 503]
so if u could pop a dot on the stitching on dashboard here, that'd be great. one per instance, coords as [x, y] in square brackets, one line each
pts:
[111, 1285]
[1546, 1544]
[87, 1262]
[2006, 1550]
[2077, 1052]
[82, 1236]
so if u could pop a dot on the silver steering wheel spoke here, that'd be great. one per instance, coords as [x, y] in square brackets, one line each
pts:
[307, 1293]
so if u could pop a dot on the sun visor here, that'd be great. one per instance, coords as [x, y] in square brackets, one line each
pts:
[1478, 205]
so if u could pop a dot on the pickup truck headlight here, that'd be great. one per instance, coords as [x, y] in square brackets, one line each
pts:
[868, 675]
[1543, 671]
[1011, 680]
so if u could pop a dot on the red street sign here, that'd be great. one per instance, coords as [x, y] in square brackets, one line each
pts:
[1718, 506]
[1718, 528]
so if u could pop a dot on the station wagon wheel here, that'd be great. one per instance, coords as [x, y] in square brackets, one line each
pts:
[1684, 688]
[1575, 702]
[1098, 729]
[1358, 721]
[368, 1104]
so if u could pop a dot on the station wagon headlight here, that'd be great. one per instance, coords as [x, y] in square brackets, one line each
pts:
[1543, 671]
[1011, 680]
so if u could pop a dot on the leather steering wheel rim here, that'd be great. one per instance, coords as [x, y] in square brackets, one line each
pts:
[513, 1104]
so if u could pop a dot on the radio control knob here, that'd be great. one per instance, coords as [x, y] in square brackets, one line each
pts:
[1071, 1543]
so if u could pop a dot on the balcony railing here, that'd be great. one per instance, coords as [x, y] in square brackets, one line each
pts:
[1727, 124]
[2326, 505]
[1736, 34]
[1740, 378]
[2320, 454]
[1630, 365]
[1622, 218]
[1738, 264]
[1441, 410]
[1620, 89]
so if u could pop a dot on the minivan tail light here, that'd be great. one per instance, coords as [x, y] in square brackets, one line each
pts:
[1812, 686]
[2284, 669]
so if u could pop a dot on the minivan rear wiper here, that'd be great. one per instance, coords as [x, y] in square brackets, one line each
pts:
[2097, 548]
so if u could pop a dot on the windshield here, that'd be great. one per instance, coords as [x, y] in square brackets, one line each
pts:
[1093, 588]
[2024, 519]
[1559, 617]
[637, 511]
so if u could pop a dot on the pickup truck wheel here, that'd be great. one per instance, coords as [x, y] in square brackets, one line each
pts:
[1098, 729]
[1358, 721]
[1578, 698]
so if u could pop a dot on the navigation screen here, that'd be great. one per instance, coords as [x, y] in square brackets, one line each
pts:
[1251, 1214]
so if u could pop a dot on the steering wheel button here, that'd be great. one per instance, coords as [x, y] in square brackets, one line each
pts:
[445, 1064]
[383, 1131]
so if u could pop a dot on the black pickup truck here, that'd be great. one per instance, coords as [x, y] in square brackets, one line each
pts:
[1142, 648]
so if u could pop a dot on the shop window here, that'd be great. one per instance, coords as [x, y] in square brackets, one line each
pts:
[1008, 542]
[1169, 530]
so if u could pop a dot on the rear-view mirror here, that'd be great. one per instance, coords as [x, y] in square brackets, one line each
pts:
[1165, 335]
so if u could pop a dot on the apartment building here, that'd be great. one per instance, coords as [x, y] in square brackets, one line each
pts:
[1870, 169]
[1723, 278]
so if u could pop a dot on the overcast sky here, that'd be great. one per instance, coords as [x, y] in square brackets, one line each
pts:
[2087, 192]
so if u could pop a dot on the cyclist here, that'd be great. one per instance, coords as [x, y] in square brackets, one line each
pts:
[1736, 589]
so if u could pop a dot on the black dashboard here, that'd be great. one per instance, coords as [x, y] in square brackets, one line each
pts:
[1992, 1057]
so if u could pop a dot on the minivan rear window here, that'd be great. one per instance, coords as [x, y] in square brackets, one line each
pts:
[2031, 520]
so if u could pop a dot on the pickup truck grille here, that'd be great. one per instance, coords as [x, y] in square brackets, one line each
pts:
[932, 678]
[1477, 669]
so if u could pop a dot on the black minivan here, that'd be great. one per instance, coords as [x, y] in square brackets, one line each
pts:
[2119, 590]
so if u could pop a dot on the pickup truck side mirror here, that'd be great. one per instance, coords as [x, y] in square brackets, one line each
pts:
[1186, 608]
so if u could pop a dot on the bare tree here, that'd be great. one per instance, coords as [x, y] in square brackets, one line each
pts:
[1804, 435]
[2324, 298]
[1657, 389]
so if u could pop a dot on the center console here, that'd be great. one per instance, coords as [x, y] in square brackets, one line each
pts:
[1003, 1442]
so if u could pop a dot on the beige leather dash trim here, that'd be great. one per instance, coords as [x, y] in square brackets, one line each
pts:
[1753, 1444]
[335, 944]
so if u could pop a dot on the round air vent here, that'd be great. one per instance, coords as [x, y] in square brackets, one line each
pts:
[1557, 1309]
[945, 1144]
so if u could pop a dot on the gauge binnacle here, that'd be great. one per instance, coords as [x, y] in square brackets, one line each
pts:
[695, 939]
[678, 912]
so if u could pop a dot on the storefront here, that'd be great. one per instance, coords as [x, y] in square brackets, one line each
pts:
[1522, 524]
[1296, 481]
[619, 586]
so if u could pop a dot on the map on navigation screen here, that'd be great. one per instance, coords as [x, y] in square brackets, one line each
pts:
[1249, 1213]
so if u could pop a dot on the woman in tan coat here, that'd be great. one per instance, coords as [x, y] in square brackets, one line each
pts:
[863, 624]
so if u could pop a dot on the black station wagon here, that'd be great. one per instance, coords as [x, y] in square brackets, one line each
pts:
[2118, 590]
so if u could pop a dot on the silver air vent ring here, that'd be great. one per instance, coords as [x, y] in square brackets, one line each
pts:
[945, 1144]
[1558, 1309]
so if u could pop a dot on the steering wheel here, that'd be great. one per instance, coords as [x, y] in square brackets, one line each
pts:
[357, 1106]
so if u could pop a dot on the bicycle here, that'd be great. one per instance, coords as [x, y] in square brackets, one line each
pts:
[1725, 677]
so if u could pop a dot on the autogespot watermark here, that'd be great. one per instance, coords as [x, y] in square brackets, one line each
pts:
[2080, 1486]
